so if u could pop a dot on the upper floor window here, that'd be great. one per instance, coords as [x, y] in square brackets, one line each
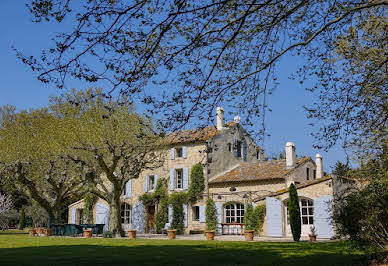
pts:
[230, 147]
[179, 178]
[179, 152]
[151, 182]
[307, 173]
[314, 174]
[125, 213]
[238, 148]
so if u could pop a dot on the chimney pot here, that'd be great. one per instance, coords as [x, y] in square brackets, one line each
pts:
[290, 155]
[220, 118]
[319, 164]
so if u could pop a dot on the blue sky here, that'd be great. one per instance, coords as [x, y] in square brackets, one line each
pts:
[19, 86]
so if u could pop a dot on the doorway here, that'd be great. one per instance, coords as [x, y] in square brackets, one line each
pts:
[151, 219]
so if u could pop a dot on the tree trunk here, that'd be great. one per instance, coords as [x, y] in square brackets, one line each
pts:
[115, 215]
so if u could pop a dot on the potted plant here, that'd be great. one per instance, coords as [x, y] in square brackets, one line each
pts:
[313, 235]
[249, 222]
[48, 232]
[132, 233]
[32, 232]
[211, 219]
[88, 233]
[41, 230]
[171, 233]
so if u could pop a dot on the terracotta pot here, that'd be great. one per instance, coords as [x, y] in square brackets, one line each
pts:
[210, 234]
[132, 233]
[249, 235]
[48, 232]
[87, 233]
[171, 233]
[32, 232]
[313, 238]
[41, 230]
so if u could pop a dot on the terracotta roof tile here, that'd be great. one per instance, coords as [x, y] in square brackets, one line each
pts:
[275, 169]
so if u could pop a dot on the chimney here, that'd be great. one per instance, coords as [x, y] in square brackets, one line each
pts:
[318, 162]
[220, 118]
[290, 155]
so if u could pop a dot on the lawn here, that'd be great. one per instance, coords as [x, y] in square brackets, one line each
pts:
[20, 249]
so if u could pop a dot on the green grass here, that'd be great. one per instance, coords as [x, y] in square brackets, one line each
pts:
[17, 248]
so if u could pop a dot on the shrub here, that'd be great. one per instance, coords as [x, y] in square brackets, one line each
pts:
[107, 234]
[38, 215]
[249, 218]
[177, 200]
[197, 184]
[294, 213]
[22, 219]
[9, 219]
[162, 213]
[211, 214]
[259, 214]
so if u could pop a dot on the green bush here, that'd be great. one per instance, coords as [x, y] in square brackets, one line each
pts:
[249, 218]
[211, 214]
[259, 214]
[162, 213]
[294, 213]
[177, 200]
[197, 184]
[22, 219]
[107, 234]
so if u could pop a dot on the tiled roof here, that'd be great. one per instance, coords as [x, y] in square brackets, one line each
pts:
[284, 190]
[275, 169]
[194, 135]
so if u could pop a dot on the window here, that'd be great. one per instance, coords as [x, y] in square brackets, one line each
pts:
[307, 211]
[209, 159]
[179, 152]
[234, 213]
[230, 147]
[125, 213]
[314, 174]
[208, 171]
[179, 178]
[151, 182]
[238, 147]
[196, 213]
[209, 150]
[257, 155]
[307, 173]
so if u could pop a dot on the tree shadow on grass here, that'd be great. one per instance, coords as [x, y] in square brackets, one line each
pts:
[216, 253]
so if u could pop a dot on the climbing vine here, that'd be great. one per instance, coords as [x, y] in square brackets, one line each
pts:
[89, 201]
[197, 184]
[177, 200]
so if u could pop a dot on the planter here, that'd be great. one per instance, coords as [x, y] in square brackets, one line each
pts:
[210, 234]
[171, 233]
[87, 233]
[41, 230]
[48, 232]
[132, 233]
[32, 232]
[313, 238]
[249, 235]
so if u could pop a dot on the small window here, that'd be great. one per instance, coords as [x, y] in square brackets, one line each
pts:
[179, 178]
[209, 159]
[196, 213]
[151, 182]
[307, 173]
[209, 150]
[125, 213]
[307, 211]
[257, 155]
[314, 174]
[229, 147]
[208, 171]
[238, 147]
[179, 152]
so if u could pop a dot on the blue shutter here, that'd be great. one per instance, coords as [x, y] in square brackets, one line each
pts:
[169, 214]
[156, 180]
[235, 147]
[244, 146]
[185, 214]
[184, 152]
[202, 214]
[219, 217]
[274, 217]
[323, 216]
[73, 214]
[102, 216]
[146, 183]
[185, 178]
[172, 153]
[172, 177]
[138, 217]
[128, 189]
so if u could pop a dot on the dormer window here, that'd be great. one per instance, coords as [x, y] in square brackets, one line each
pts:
[179, 152]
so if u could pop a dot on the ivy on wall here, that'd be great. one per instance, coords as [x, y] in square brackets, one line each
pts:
[197, 184]
[89, 201]
[177, 200]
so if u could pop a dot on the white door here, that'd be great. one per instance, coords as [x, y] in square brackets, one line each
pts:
[307, 216]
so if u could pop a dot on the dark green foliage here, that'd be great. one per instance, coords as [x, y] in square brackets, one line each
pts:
[89, 201]
[294, 213]
[177, 200]
[211, 214]
[197, 184]
[22, 219]
[107, 234]
[340, 169]
[259, 215]
[162, 213]
[249, 219]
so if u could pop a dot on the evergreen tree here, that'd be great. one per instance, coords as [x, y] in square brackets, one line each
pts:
[249, 218]
[294, 213]
[22, 219]
[197, 184]
[211, 215]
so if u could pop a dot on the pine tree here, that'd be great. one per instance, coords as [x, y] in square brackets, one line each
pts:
[211, 214]
[294, 213]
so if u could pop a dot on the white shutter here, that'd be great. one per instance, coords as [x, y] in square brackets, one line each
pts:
[172, 153]
[185, 214]
[73, 214]
[156, 180]
[202, 217]
[172, 177]
[185, 178]
[274, 217]
[102, 215]
[219, 217]
[128, 188]
[146, 183]
[169, 214]
[323, 216]
[184, 152]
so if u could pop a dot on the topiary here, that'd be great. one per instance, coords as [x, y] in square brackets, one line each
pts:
[197, 184]
[249, 218]
[211, 214]
[294, 213]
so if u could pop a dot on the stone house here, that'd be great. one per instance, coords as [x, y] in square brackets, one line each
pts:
[236, 171]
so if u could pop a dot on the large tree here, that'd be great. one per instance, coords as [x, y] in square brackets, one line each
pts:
[185, 57]
[110, 142]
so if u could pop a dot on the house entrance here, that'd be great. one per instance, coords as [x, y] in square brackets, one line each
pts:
[151, 219]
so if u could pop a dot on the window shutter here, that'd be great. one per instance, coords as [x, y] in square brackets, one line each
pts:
[172, 177]
[138, 217]
[235, 147]
[202, 214]
[219, 217]
[73, 213]
[156, 180]
[172, 153]
[102, 216]
[185, 178]
[274, 217]
[185, 214]
[146, 183]
[244, 146]
[170, 214]
[184, 152]
[323, 215]
[128, 188]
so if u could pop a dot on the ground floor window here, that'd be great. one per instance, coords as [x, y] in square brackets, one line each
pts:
[306, 211]
[125, 213]
[196, 213]
[234, 213]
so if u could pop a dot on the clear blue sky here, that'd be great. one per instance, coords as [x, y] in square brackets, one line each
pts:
[19, 86]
